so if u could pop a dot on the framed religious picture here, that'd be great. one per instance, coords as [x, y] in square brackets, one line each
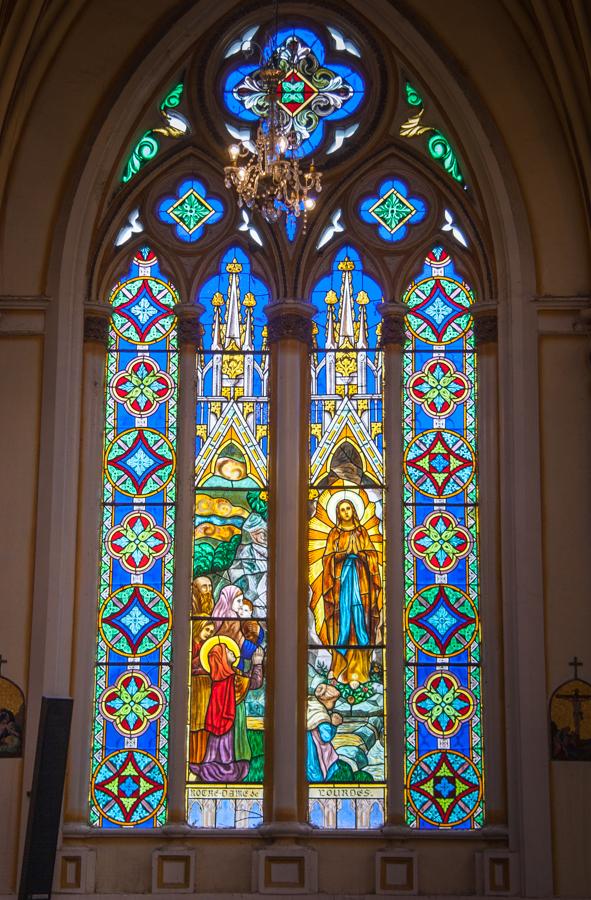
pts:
[12, 719]
[570, 721]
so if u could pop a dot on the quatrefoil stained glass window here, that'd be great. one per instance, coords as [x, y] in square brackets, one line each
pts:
[321, 89]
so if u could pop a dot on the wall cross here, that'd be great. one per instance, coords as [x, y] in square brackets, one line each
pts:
[576, 664]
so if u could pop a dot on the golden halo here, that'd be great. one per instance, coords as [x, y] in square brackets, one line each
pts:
[211, 642]
[354, 499]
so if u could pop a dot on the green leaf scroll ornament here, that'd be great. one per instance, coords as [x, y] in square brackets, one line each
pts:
[176, 125]
[441, 150]
[173, 99]
[438, 146]
[146, 149]
[413, 98]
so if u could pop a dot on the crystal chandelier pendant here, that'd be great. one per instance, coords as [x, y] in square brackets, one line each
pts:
[271, 179]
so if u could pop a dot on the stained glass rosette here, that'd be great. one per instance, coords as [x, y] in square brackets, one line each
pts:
[316, 89]
[393, 210]
[226, 748]
[129, 760]
[191, 210]
[442, 641]
[345, 723]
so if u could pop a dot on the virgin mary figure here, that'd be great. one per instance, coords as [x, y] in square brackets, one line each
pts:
[350, 592]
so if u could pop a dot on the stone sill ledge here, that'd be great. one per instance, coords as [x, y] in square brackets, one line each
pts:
[299, 831]
[249, 896]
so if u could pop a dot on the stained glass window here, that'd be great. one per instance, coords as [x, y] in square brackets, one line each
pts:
[314, 90]
[132, 672]
[442, 647]
[345, 726]
[190, 210]
[229, 588]
[393, 210]
[176, 125]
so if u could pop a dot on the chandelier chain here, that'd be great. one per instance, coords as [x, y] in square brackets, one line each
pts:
[270, 178]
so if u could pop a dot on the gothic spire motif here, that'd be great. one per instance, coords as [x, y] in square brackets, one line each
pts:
[233, 306]
[249, 303]
[216, 337]
[331, 299]
[362, 339]
[346, 328]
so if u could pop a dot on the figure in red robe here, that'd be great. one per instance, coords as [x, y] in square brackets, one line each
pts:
[228, 689]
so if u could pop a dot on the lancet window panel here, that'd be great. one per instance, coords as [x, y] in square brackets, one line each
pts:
[442, 642]
[129, 762]
[346, 764]
[227, 685]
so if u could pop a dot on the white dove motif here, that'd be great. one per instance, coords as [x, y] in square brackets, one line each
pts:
[449, 225]
[242, 135]
[343, 43]
[247, 225]
[242, 44]
[134, 226]
[340, 135]
[333, 228]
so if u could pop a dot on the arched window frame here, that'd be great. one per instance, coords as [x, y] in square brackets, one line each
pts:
[384, 173]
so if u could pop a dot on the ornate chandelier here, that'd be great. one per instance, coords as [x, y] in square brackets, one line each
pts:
[270, 178]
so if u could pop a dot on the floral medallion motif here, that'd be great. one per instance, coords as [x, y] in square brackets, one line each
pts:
[439, 307]
[140, 462]
[137, 542]
[438, 387]
[141, 387]
[441, 620]
[190, 210]
[135, 620]
[132, 703]
[444, 788]
[310, 93]
[143, 307]
[129, 787]
[442, 704]
[393, 210]
[440, 542]
[439, 463]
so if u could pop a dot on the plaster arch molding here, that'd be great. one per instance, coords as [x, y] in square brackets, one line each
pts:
[59, 584]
